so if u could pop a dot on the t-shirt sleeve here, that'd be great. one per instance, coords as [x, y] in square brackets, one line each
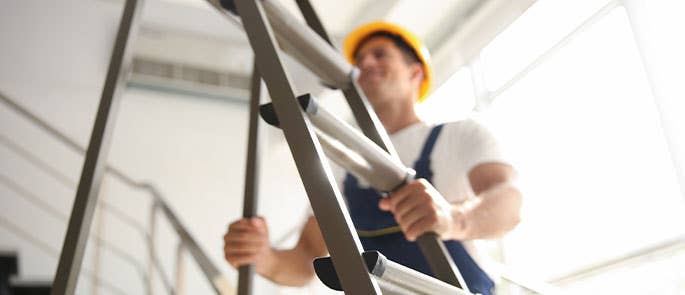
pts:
[478, 145]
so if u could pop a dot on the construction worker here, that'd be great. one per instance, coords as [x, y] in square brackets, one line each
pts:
[464, 189]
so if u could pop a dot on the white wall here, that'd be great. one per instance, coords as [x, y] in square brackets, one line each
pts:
[54, 57]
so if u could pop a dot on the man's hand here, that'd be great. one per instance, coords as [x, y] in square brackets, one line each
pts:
[247, 242]
[419, 208]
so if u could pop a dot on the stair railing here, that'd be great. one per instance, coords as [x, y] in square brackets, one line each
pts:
[186, 241]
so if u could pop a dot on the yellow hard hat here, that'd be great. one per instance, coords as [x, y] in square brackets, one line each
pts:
[354, 39]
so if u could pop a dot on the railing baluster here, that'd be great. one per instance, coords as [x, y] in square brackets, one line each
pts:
[220, 284]
[180, 270]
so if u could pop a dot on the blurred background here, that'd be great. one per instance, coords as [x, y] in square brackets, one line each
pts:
[586, 97]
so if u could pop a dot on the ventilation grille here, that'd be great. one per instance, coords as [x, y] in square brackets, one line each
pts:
[187, 78]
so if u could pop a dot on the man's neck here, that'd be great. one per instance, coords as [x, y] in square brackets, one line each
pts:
[395, 117]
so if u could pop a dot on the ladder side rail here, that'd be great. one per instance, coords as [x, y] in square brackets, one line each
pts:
[324, 196]
[246, 272]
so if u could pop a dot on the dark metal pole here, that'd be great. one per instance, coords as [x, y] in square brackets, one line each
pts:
[440, 261]
[363, 112]
[325, 198]
[246, 272]
[366, 117]
[313, 20]
[91, 176]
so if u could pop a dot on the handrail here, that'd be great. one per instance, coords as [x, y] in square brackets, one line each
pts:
[104, 205]
[54, 212]
[68, 183]
[9, 225]
[211, 272]
[219, 283]
[63, 138]
[300, 42]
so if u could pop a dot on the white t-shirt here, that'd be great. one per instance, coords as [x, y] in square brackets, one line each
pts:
[460, 147]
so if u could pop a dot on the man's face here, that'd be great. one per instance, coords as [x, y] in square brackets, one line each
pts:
[385, 74]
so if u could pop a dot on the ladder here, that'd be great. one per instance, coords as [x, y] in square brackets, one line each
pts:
[306, 127]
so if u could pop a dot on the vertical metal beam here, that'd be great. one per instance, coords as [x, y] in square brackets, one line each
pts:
[366, 117]
[81, 217]
[432, 247]
[440, 261]
[363, 112]
[313, 20]
[326, 200]
[246, 272]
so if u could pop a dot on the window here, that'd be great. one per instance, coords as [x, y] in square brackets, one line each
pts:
[585, 133]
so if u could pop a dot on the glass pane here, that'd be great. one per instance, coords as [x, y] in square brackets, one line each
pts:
[544, 24]
[585, 135]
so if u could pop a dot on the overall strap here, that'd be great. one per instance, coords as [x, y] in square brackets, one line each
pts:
[430, 143]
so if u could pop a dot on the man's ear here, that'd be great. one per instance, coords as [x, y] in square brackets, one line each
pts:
[417, 72]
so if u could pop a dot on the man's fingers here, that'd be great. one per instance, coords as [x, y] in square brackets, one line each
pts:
[245, 240]
[237, 260]
[237, 244]
[259, 224]
[237, 250]
[409, 204]
[384, 204]
[243, 224]
[243, 236]
[420, 227]
[399, 195]
[256, 222]
[421, 210]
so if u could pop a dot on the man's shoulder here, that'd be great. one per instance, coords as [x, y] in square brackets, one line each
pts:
[463, 125]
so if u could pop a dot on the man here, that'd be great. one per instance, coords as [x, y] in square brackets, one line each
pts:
[473, 197]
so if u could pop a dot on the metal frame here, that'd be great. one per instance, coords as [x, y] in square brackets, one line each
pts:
[246, 272]
[396, 278]
[301, 42]
[81, 216]
[326, 200]
[94, 167]
[313, 20]
[363, 112]
[379, 169]
[366, 117]
[320, 57]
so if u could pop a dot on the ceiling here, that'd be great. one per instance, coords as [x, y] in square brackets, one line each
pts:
[194, 33]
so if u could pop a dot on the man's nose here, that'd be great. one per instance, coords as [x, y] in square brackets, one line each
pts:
[365, 61]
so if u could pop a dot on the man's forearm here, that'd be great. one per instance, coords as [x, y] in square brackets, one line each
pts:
[287, 267]
[491, 214]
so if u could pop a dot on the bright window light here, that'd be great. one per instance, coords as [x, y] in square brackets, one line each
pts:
[452, 101]
[585, 135]
[539, 28]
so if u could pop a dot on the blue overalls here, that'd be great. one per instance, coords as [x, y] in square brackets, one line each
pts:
[378, 230]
